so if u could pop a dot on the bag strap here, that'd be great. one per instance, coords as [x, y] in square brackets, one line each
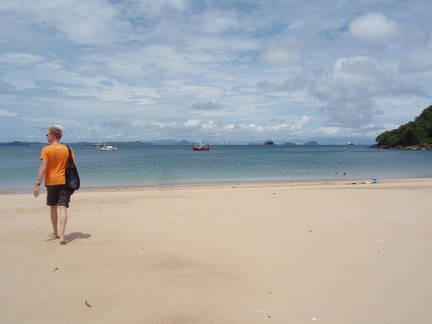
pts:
[71, 162]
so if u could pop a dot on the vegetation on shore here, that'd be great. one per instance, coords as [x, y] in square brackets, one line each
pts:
[416, 134]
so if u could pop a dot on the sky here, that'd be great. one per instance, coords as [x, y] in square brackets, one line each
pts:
[213, 70]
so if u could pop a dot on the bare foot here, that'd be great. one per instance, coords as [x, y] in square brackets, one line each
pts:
[54, 236]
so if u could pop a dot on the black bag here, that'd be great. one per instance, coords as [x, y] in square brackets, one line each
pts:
[72, 176]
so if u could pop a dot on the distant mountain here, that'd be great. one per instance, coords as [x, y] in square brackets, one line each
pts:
[184, 142]
[311, 143]
[16, 143]
[307, 143]
[172, 142]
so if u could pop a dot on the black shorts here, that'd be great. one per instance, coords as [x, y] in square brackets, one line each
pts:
[58, 195]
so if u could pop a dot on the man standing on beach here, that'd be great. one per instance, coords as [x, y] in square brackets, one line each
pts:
[54, 159]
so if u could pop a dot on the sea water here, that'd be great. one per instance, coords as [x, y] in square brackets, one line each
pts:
[173, 165]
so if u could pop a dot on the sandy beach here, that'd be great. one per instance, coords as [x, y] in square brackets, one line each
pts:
[331, 252]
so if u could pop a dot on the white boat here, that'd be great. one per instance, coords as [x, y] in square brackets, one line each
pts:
[107, 148]
[102, 147]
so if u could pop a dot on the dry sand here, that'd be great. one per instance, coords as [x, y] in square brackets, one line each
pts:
[333, 252]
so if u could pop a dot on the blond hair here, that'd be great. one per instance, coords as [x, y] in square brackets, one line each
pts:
[55, 131]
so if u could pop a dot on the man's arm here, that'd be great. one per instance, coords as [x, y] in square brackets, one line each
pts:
[40, 177]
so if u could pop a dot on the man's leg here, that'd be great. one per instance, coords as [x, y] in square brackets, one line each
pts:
[62, 213]
[54, 221]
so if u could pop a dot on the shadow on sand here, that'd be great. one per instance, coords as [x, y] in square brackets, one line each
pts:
[76, 235]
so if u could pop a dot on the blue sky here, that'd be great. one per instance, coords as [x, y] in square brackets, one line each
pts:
[222, 70]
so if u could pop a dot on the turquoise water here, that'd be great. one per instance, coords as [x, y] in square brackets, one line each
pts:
[168, 165]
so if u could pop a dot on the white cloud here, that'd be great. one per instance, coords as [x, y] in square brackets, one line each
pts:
[6, 113]
[192, 123]
[353, 78]
[219, 21]
[349, 90]
[302, 122]
[281, 52]
[19, 59]
[375, 29]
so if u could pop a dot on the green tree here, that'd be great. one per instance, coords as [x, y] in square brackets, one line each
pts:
[415, 132]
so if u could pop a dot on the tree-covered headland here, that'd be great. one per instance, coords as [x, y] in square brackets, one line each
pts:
[416, 134]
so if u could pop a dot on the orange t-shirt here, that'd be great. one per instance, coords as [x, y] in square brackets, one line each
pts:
[57, 156]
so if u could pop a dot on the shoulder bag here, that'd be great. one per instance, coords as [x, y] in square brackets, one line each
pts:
[72, 176]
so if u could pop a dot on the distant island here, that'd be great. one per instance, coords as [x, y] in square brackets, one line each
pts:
[17, 143]
[415, 135]
[167, 142]
[170, 142]
[307, 143]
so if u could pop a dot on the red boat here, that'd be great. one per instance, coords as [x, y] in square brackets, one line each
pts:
[201, 147]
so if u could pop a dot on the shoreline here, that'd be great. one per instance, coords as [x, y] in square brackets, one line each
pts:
[222, 184]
